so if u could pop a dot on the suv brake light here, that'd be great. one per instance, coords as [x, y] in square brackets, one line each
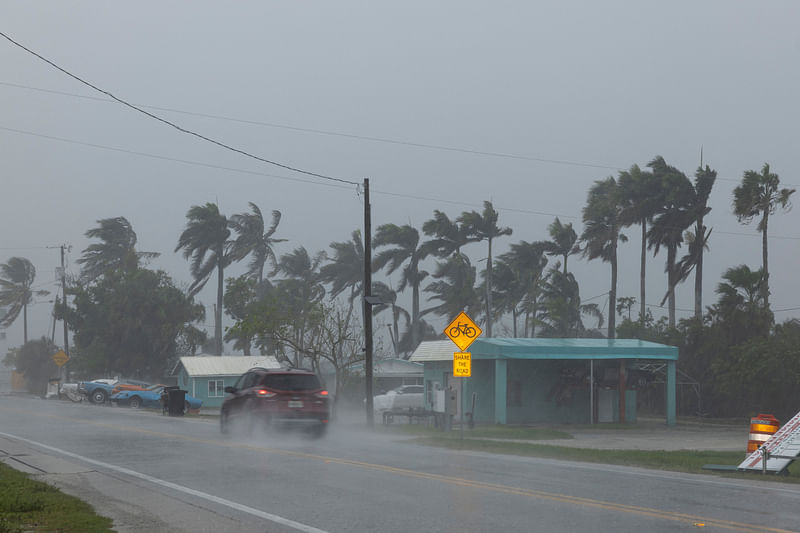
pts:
[264, 393]
[322, 394]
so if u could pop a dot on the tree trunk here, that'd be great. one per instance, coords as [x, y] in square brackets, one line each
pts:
[612, 295]
[672, 251]
[698, 273]
[489, 292]
[218, 311]
[25, 323]
[643, 264]
[764, 259]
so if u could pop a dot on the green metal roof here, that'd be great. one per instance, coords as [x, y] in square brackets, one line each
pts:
[541, 348]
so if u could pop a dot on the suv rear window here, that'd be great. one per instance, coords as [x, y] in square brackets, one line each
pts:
[291, 382]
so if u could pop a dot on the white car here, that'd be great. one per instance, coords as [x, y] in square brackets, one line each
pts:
[402, 398]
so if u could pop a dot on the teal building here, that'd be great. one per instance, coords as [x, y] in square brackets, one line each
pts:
[530, 381]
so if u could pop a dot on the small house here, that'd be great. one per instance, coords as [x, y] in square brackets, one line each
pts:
[206, 376]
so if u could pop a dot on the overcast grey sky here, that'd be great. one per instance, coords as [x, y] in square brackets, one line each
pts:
[579, 89]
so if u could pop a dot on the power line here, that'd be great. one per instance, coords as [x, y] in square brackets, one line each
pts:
[300, 180]
[385, 140]
[172, 124]
[331, 133]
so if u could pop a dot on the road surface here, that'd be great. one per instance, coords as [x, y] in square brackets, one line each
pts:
[155, 473]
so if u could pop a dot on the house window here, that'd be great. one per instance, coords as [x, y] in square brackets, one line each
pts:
[216, 388]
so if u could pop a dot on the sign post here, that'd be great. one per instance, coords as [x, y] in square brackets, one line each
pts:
[463, 332]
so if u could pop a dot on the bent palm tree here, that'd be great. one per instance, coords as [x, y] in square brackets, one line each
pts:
[16, 291]
[388, 297]
[205, 240]
[601, 217]
[406, 249]
[252, 239]
[563, 241]
[757, 195]
[698, 239]
[448, 235]
[483, 227]
[641, 194]
[115, 253]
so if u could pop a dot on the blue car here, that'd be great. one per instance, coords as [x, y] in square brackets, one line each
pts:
[98, 391]
[151, 398]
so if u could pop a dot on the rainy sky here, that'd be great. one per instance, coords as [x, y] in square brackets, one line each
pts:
[442, 105]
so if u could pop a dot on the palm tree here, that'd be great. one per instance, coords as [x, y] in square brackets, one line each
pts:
[640, 199]
[455, 288]
[563, 241]
[741, 307]
[674, 216]
[346, 268]
[253, 239]
[561, 311]
[16, 291]
[698, 239]
[601, 217]
[388, 297]
[205, 240]
[521, 275]
[483, 227]
[448, 235]
[406, 249]
[757, 195]
[305, 288]
[117, 251]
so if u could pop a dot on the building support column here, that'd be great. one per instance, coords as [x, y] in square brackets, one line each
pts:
[500, 390]
[671, 386]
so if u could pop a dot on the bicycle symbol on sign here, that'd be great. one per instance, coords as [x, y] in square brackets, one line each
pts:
[464, 328]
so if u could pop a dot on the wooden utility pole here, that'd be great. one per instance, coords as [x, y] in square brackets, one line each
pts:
[367, 304]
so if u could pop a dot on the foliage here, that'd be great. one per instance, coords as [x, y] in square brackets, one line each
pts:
[16, 291]
[205, 241]
[131, 325]
[302, 332]
[240, 294]
[255, 240]
[34, 360]
[115, 253]
[454, 289]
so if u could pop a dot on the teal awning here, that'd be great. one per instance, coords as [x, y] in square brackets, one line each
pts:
[540, 348]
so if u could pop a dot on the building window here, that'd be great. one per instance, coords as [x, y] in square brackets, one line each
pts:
[216, 388]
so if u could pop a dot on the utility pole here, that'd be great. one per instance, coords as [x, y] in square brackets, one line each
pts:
[64, 301]
[367, 304]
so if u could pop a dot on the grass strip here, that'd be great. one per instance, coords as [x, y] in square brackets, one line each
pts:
[690, 461]
[27, 505]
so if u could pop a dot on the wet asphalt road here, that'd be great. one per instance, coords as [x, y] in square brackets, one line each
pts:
[154, 473]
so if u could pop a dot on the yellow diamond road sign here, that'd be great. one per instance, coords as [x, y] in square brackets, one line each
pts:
[60, 358]
[462, 364]
[462, 331]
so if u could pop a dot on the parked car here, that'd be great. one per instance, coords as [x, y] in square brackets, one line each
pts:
[402, 398]
[270, 398]
[130, 385]
[98, 390]
[150, 398]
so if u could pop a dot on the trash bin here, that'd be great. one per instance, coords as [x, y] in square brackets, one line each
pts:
[176, 400]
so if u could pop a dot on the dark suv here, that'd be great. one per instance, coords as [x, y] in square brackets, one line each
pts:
[265, 398]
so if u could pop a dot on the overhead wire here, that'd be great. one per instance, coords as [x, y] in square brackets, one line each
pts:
[376, 191]
[174, 125]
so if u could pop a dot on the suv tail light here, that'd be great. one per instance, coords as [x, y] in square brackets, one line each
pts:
[322, 394]
[264, 393]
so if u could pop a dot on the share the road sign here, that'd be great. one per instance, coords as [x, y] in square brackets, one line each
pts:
[462, 364]
[462, 331]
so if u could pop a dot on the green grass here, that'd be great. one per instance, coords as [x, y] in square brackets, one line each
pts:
[503, 442]
[27, 505]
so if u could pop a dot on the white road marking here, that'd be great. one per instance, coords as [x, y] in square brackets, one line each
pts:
[186, 490]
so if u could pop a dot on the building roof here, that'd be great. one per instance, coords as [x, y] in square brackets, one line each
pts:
[387, 368]
[225, 365]
[539, 348]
